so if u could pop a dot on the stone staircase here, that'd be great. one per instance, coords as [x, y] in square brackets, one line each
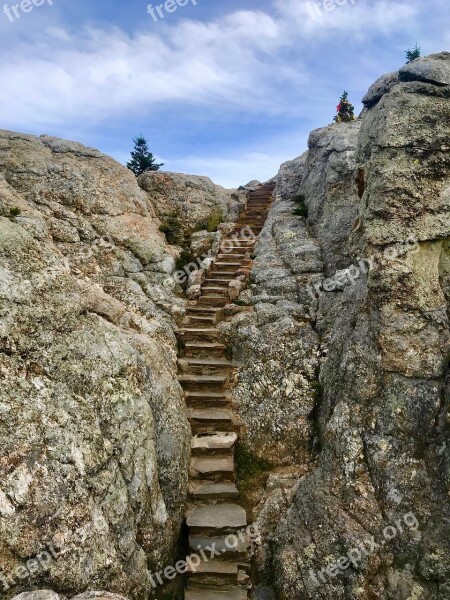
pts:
[214, 513]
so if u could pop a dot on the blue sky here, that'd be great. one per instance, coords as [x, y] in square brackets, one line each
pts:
[224, 88]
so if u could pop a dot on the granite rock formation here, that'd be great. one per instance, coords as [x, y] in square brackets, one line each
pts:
[193, 198]
[93, 435]
[344, 344]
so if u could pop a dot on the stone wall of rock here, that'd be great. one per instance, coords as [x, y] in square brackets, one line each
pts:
[93, 436]
[49, 595]
[344, 350]
[193, 198]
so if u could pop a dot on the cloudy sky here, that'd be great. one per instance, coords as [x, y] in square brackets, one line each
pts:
[224, 88]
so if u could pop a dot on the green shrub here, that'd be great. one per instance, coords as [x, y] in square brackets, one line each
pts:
[317, 391]
[302, 208]
[412, 54]
[249, 466]
[14, 211]
[184, 259]
[203, 226]
[214, 220]
[173, 229]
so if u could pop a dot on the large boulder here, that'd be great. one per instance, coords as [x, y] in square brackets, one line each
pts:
[290, 177]
[382, 86]
[192, 198]
[355, 504]
[434, 69]
[94, 442]
[49, 595]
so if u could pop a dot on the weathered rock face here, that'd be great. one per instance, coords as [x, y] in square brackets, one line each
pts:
[93, 437]
[191, 197]
[49, 595]
[374, 452]
[290, 177]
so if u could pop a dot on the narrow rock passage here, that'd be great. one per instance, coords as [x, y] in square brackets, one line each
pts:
[205, 374]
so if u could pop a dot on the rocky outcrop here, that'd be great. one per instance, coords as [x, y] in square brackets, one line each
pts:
[94, 440]
[193, 198]
[347, 332]
[49, 595]
[290, 177]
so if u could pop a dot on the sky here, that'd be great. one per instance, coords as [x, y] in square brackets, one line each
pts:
[224, 88]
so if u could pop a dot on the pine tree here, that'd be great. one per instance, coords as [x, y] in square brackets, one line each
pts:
[412, 54]
[345, 110]
[142, 159]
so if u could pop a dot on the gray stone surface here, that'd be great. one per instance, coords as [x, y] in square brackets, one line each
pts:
[290, 177]
[377, 394]
[193, 197]
[40, 595]
[94, 443]
[382, 86]
[331, 193]
[49, 595]
[221, 516]
[434, 68]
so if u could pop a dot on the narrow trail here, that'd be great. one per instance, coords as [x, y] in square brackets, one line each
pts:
[214, 512]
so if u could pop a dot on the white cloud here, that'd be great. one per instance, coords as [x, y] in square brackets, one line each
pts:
[235, 62]
[275, 62]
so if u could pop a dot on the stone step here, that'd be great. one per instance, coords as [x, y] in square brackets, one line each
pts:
[238, 246]
[194, 333]
[233, 255]
[200, 349]
[231, 267]
[216, 441]
[209, 346]
[215, 280]
[239, 241]
[197, 309]
[217, 517]
[216, 283]
[251, 221]
[205, 490]
[210, 415]
[187, 380]
[207, 399]
[256, 228]
[214, 572]
[201, 318]
[236, 251]
[211, 420]
[229, 264]
[211, 465]
[214, 300]
[216, 289]
[208, 362]
[203, 321]
[226, 545]
[202, 593]
[222, 567]
[204, 366]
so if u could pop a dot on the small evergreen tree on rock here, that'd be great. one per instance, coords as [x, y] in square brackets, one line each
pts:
[412, 54]
[142, 159]
[345, 110]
